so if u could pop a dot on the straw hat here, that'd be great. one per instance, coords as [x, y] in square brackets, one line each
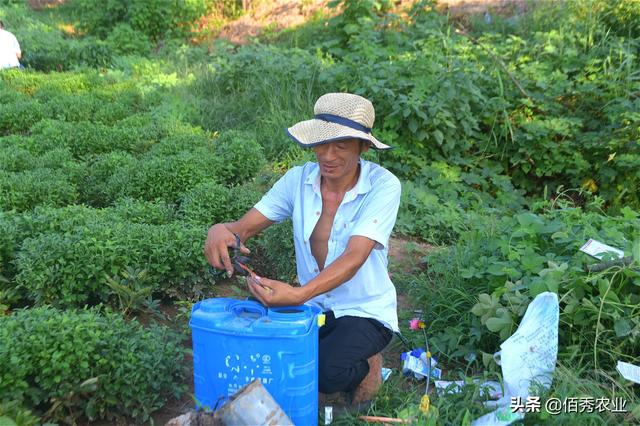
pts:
[338, 116]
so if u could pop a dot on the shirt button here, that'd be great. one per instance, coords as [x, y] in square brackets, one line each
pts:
[345, 225]
[317, 213]
[315, 270]
[375, 220]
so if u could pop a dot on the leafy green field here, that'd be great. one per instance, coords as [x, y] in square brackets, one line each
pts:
[121, 142]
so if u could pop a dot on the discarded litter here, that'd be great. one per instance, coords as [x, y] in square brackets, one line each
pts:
[629, 371]
[415, 362]
[528, 358]
[328, 415]
[598, 250]
[386, 372]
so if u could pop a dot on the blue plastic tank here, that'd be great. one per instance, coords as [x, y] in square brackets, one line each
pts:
[235, 342]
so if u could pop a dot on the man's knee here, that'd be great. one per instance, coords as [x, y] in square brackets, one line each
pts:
[329, 375]
[339, 377]
[333, 377]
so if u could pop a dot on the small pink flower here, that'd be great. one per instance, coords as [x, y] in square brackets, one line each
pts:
[416, 324]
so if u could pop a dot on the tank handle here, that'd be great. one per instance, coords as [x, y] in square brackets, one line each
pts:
[251, 307]
[290, 313]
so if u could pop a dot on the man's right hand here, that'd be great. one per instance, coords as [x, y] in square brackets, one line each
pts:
[216, 247]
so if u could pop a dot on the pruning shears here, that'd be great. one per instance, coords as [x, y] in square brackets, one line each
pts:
[239, 264]
[238, 261]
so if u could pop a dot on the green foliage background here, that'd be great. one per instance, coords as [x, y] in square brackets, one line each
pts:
[122, 141]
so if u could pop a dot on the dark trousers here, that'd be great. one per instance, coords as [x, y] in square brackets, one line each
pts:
[345, 345]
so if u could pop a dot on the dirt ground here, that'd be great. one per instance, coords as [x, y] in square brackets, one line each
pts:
[276, 15]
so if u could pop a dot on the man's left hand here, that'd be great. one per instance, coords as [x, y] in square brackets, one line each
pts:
[273, 292]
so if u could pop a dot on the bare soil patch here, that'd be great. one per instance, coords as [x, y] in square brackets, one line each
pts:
[277, 15]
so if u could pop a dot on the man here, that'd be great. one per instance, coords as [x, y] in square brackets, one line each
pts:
[10, 53]
[343, 209]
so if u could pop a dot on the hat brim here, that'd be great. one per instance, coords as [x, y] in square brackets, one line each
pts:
[313, 132]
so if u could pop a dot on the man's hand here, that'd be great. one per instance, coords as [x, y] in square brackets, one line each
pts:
[275, 293]
[216, 247]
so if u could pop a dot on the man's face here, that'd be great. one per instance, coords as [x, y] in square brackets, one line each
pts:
[340, 158]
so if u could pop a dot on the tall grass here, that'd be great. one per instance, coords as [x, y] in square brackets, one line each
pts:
[263, 89]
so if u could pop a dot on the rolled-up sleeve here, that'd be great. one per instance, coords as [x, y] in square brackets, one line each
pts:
[277, 203]
[379, 212]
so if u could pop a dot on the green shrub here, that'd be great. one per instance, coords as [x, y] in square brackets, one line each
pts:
[154, 18]
[15, 159]
[25, 190]
[164, 177]
[240, 157]
[275, 252]
[83, 364]
[18, 159]
[86, 139]
[18, 117]
[127, 41]
[210, 202]
[176, 143]
[443, 201]
[92, 52]
[13, 414]
[69, 269]
[137, 211]
[52, 52]
[29, 83]
[96, 188]
[206, 203]
[65, 107]
[16, 227]
[25, 143]
[8, 96]
[106, 101]
[150, 126]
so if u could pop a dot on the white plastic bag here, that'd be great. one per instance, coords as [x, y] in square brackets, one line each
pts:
[528, 357]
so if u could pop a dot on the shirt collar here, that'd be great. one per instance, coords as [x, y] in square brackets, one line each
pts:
[362, 186]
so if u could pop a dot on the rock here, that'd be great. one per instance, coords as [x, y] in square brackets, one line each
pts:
[195, 418]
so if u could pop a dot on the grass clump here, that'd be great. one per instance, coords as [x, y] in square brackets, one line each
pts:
[88, 364]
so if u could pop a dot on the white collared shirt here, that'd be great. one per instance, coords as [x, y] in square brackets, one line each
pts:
[9, 48]
[368, 209]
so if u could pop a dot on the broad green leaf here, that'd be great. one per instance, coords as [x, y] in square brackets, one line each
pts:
[487, 359]
[536, 287]
[622, 327]
[496, 324]
[437, 134]
[533, 262]
[528, 219]
[496, 269]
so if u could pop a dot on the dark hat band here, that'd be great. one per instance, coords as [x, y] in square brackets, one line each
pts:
[343, 121]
